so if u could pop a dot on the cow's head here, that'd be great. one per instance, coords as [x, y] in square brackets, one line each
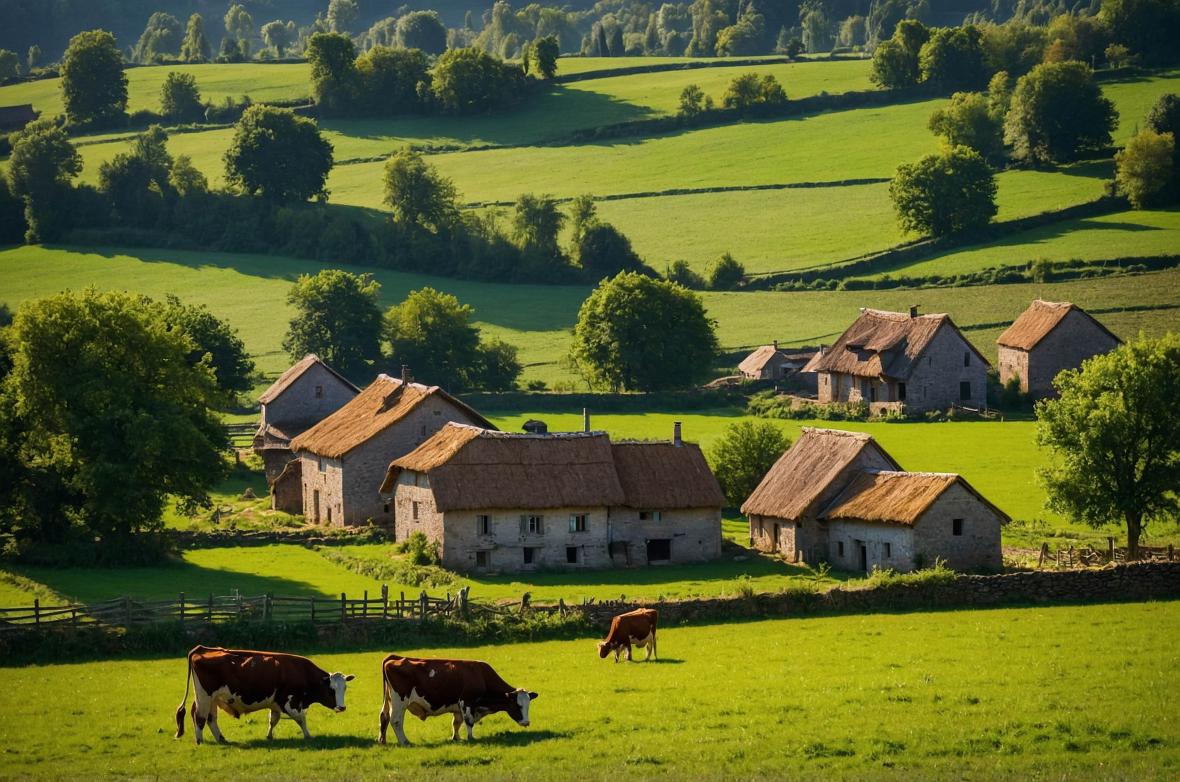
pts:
[337, 683]
[604, 649]
[517, 705]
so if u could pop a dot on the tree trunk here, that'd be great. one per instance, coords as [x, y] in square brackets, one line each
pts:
[1134, 527]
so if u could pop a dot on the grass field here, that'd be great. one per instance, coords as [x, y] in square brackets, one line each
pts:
[1012, 693]
[250, 292]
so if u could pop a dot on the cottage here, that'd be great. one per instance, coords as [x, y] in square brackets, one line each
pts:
[307, 393]
[891, 360]
[769, 362]
[345, 456]
[838, 497]
[1047, 338]
[512, 502]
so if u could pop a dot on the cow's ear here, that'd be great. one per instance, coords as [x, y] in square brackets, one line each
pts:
[533, 696]
[349, 677]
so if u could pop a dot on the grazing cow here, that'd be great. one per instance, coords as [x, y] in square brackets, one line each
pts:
[634, 627]
[468, 689]
[240, 682]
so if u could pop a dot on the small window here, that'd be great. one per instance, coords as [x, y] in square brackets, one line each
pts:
[532, 525]
[414, 510]
[483, 524]
[872, 393]
[319, 392]
[577, 522]
[966, 358]
[956, 526]
[840, 548]
[529, 555]
[385, 508]
[888, 551]
[571, 555]
[329, 515]
[481, 559]
[320, 463]
[649, 515]
[965, 390]
[901, 392]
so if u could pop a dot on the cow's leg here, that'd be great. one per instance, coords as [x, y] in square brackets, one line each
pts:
[456, 721]
[275, 715]
[398, 718]
[198, 723]
[300, 718]
[386, 706]
[617, 650]
[653, 645]
[629, 658]
[213, 726]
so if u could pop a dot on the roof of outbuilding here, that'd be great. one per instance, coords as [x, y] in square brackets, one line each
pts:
[884, 344]
[381, 405]
[806, 470]
[1039, 320]
[757, 361]
[665, 475]
[896, 497]
[294, 372]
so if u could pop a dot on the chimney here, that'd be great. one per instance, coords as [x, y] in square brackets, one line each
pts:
[776, 344]
[405, 374]
[676, 440]
[914, 311]
[585, 419]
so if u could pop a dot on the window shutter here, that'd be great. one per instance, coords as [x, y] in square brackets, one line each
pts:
[540, 525]
[573, 523]
[658, 516]
[524, 524]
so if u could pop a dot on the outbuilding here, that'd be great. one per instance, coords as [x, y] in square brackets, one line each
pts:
[1047, 338]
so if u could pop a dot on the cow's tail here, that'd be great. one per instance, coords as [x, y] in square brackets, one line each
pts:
[188, 680]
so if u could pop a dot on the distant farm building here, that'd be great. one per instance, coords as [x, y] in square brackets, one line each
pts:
[891, 360]
[838, 497]
[512, 502]
[14, 118]
[769, 362]
[344, 457]
[307, 393]
[1047, 338]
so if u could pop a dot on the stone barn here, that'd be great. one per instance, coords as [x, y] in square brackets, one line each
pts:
[838, 497]
[769, 362]
[895, 361]
[495, 501]
[1047, 338]
[345, 456]
[307, 393]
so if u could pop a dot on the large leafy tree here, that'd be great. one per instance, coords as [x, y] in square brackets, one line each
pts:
[420, 197]
[93, 83]
[137, 181]
[180, 99]
[215, 343]
[637, 333]
[110, 404]
[1144, 167]
[239, 28]
[896, 60]
[341, 15]
[278, 155]
[944, 193]
[744, 454]
[468, 81]
[953, 59]
[390, 80]
[195, 47]
[337, 318]
[1164, 117]
[545, 52]
[42, 164]
[278, 35]
[1057, 111]
[162, 36]
[1114, 434]
[1150, 28]
[969, 120]
[334, 81]
[422, 30]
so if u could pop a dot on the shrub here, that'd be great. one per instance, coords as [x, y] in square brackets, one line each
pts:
[420, 550]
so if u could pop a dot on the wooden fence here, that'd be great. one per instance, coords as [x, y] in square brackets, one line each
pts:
[1087, 556]
[128, 612]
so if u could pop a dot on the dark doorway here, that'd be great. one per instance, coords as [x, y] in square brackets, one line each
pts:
[774, 543]
[659, 550]
[316, 502]
[864, 557]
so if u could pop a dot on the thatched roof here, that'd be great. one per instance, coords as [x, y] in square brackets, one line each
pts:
[884, 344]
[658, 475]
[278, 436]
[476, 469]
[294, 372]
[806, 470]
[381, 405]
[757, 361]
[896, 497]
[1036, 323]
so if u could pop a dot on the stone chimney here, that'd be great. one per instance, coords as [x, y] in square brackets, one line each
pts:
[585, 419]
[676, 439]
[776, 344]
[914, 311]
[406, 376]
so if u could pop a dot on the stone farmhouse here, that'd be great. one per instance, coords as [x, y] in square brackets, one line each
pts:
[895, 361]
[838, 497]
[1047, 338]
[513, 502]
[341, 461]
[768, 362]
[307, 393]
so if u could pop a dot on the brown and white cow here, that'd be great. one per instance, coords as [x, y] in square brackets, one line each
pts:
[634, 627]
[468, 689]
[239, 682]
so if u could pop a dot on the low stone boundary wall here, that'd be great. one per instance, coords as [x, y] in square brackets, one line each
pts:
[305, 537]
[1121, 583]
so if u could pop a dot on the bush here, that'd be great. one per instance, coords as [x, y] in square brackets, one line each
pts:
[725, 273]
[420, 550]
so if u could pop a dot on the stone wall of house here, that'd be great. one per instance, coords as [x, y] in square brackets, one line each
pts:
[947, 361]
[1075, 339]
[323, 494]
[884, 545]
[1013, 363]
[977, 548]
[505, 546]
[694, 533]
[414, 510]
[300, 401]
[287, 495]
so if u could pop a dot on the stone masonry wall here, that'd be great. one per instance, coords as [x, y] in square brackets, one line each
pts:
[947, 361]
[1013, 363]
[299, 402]
[1075, 339]
[977, 548]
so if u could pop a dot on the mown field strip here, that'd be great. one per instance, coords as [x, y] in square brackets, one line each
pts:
[1010, 693]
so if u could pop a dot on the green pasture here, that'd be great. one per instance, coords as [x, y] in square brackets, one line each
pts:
[217, 81]
[578, 64]
[250, 292]
[1143, 233]
[1007, 693]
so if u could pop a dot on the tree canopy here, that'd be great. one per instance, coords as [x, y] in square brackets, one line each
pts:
[944, 193]
[337, 318]
[1057, 111]
[40, 168]
[93, 84]
[278, 155]
[744, 454]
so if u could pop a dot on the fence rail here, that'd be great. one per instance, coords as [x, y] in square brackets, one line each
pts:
[1087, 556]
[128, 612]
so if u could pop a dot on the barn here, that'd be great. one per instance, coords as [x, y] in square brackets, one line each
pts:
[770, 362]
[1046, 339]
[519, 502]
[838, 497]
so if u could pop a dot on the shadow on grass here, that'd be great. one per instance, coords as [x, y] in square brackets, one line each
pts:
[298, 742]
[520, 738]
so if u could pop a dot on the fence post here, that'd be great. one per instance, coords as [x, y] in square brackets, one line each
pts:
[342, 606]
[1044, 553]
[1110, 548]
[422, 605]
[209, 615]
[36, 610]
[401, 604]
[365, 606]
[240, 606]
[267, 608]
[313, 609]
[385, 601]
[180, 603]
